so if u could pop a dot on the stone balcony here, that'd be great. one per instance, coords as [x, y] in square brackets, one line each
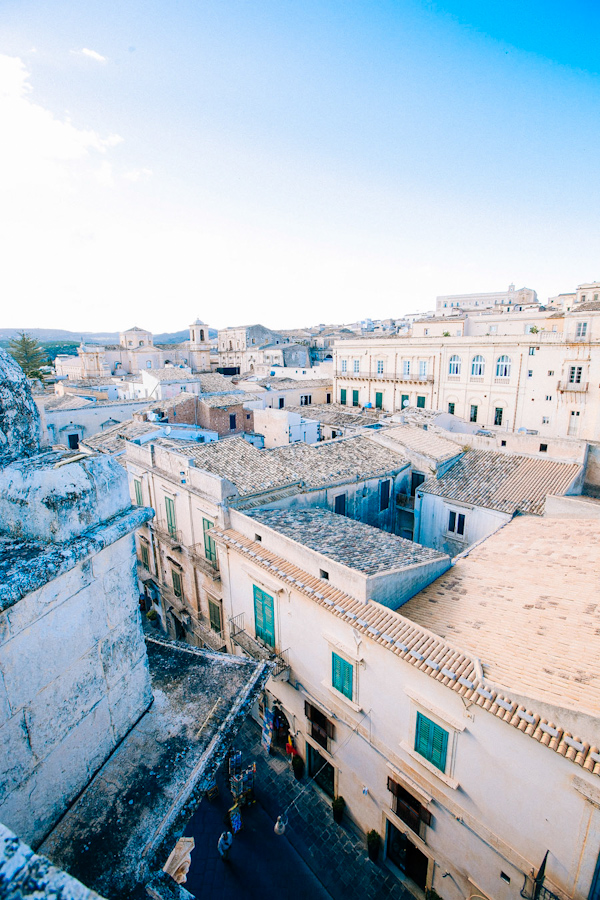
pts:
[571, 386]
[385, 377]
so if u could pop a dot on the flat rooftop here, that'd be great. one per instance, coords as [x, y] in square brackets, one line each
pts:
[353, 544]
[420, 441]
[123, 826]
[337, 415]
[508, 483]
[527, 603]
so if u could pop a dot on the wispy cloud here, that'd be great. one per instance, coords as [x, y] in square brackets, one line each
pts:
[138, 174]
[92, 54]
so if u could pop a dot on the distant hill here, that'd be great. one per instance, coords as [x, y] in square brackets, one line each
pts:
[93, 337]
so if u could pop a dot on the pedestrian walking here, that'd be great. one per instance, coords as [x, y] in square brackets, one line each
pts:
[224, 845]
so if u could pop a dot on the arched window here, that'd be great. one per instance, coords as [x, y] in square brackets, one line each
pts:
[201, 335]
[454, 365]
[503, 367]
[477, 365]
[148, 363]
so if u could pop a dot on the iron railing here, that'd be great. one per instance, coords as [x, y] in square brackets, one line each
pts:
[255, 649]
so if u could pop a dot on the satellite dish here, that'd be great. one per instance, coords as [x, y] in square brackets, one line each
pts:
[406, 403]
[168, 429]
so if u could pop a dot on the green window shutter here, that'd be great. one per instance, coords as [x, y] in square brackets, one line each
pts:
[378, 400]
[354, 398]
[342, 675]
[343, 396]
[214, 615]
[177, 587]
[210, 548]
[421, 402]
[138, 492]
[170, 509]
[145, 556]
[264, 616]
[431, 742]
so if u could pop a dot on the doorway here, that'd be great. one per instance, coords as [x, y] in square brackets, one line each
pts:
[73, 441]
[321, 771]
[409, 859]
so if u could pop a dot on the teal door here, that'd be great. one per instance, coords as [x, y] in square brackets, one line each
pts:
[264, 616]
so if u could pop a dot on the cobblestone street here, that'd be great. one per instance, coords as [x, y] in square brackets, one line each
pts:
[265, 865]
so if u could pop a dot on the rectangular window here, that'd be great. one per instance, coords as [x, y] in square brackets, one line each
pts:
[264, 616]
[532, 351]
[356, 366]
[177, 585]
[214, 615]
[328, 398]
[408, 808]
[384, 495]
[548, 396]
[232, 419]
[321, 729]
[138, 492]
[281, 402]
[575, 373]
[581, 329]
[406, 367]
[170, 510]
[342, 675]
[380, 367]
[339, 504]
[423, 368]
[210, 548]
[545, 420]
[456, 522]
[473, 414]
[145, 555]
[498, 412]
[451, 408]
[344, 365]
[530, 373]
[550, 371]
[378, 400]
[354, 398]
[543, 448]
[431, 742]
[343, 396]
[404, 401]
[305, 400]
[420, 402]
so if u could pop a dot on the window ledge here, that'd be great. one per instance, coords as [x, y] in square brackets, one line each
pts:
[445, 719]
[339, 696]
[451, 782]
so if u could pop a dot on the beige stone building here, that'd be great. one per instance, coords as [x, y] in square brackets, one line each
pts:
[449, 304]
[548, 382]
[135, 353]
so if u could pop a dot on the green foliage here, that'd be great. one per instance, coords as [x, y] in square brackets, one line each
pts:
[26, 351]
[445, 334]
[53, 348]
[338, 804]
[152, 615]
[534, 329]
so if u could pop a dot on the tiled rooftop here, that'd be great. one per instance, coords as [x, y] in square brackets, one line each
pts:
[172, 373]
[222, 400]
[527, 602]
[420, 441]
[507, 483]
[335, 414]
[337, 461]
[457, 669]
[67, 401]
[351, 543]
[251, 470]
[112, 439]
[214, 383]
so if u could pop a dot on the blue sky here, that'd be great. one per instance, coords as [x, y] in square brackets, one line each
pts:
[291, 163]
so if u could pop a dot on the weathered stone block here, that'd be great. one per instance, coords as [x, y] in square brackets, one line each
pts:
[37, 655]
[121, 650]
[64, 703]
[120, 593]
[126, 706]
[117, 555]
[17, 758]
[5, 712]
[40, 602]
[42, 798]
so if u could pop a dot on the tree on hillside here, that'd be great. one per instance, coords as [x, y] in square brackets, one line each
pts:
[28, 353]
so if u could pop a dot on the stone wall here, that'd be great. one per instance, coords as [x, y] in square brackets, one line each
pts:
[73, 680]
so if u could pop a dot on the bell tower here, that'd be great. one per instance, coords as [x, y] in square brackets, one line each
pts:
[199, 347]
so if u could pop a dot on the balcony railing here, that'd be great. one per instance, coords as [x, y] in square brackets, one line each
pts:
[579, 387]
[257, 650]
[171, 537]
[214, 640]
[210, 568]
[385, 376]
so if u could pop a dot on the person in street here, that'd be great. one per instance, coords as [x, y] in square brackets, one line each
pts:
[224, 845]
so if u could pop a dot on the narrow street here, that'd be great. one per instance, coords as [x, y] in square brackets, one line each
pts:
[315, 858]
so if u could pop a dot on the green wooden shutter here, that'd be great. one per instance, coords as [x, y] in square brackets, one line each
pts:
[264, 616]
[170, 509]
[214, 614]
[210, 549]
[378, 400]
[177, 586]
[138, 492]
[342, 675]
[343, 396]
[431, 742]
[354, 398]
